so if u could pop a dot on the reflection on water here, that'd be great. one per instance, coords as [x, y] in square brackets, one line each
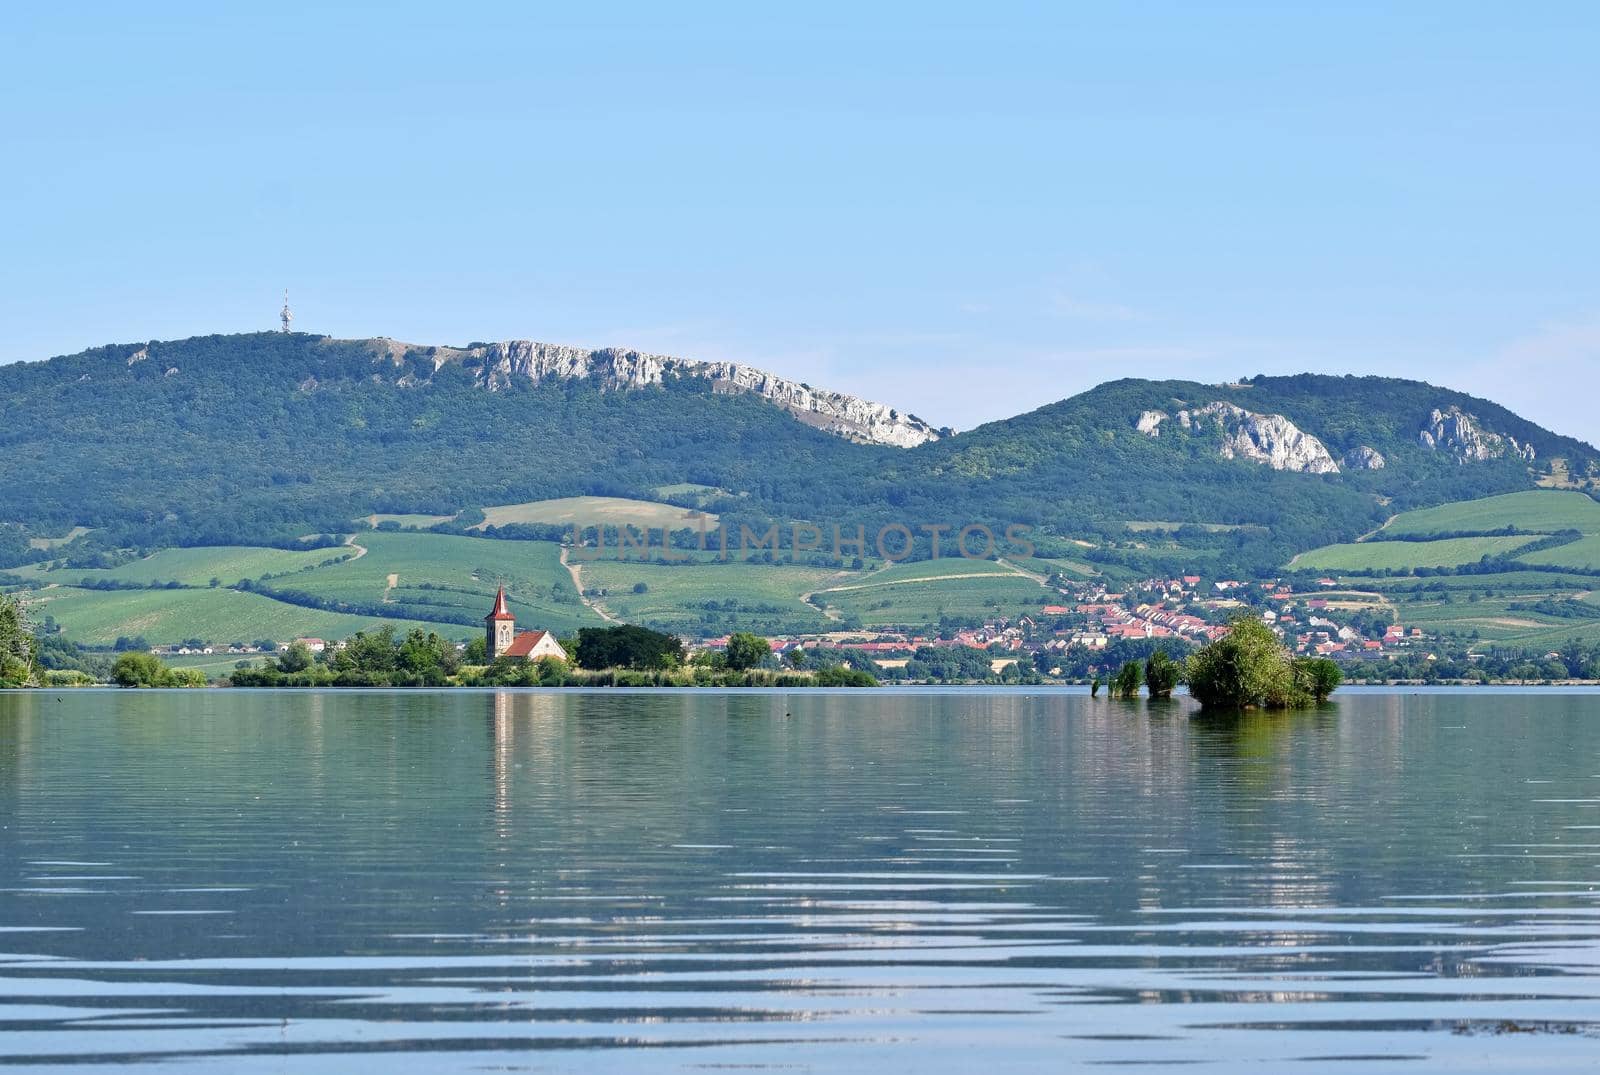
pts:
[895, 882]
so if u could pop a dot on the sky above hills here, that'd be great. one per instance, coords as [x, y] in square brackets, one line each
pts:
[963, 210]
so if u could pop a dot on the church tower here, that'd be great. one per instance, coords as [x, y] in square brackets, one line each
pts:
[500, 627]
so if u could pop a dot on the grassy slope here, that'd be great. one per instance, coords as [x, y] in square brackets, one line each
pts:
[674, 591]
[454, 574]
[1407, 555]
[925, 601]
[95, 617]
[1583, 554]
[196, 567]
[1536, 511]
[920, 593]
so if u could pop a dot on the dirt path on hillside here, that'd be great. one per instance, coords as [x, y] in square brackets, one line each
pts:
[394, 580]
[830, 613]
[361, 550]
[1014, 573]
[576, 571]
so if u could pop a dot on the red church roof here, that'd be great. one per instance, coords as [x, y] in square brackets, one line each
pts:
[523, 644]
[500, 611]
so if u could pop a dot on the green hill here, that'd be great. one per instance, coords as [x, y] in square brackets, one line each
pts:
[215, 458]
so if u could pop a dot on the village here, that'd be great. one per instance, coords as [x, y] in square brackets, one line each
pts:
[1187, 610]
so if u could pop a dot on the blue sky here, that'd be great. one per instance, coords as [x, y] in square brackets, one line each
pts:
[964, 210]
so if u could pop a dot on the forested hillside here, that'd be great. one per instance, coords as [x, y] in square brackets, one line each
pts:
[257, 439]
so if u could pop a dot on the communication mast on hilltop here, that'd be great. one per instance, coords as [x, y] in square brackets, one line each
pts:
[285, 316]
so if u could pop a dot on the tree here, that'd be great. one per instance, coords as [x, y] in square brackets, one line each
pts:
[297, 658]
[1126, 683]
[796, 658]
[16, 644]
[141, 670]
[1248, 666]
[746, 650]
[1574, 658]
[552, 671]
[627, 646]
[1161, 674]
[1318, 675]
[477, 652]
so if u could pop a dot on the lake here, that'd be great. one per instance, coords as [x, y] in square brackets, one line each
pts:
[884, 881]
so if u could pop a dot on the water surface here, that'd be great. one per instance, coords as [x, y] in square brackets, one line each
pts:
[854, 881]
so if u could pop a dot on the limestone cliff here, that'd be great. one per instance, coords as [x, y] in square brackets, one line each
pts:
[498, 364]
[1262, 438]
[1363, 457]
[1460, 434]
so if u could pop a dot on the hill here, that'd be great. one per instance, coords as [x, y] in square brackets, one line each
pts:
[261, 439]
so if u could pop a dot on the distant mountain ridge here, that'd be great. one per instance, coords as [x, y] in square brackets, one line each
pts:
[249, 438]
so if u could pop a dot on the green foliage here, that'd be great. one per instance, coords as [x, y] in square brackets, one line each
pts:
[16, 644]
[950, 664]
[297, 658]
[148, 670]
[627, 646]
[1249, 666]
[746, 650]
[1161, 674]
[1318, 676]
[1127, 681]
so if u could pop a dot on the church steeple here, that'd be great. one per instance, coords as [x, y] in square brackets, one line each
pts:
[500, 627]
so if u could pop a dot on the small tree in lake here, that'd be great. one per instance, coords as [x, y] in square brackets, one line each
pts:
[1126, 685]
[1250, 666]
[1319, 675]
[1161, 674]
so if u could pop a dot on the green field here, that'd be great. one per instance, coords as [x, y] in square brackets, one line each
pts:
[99, 618]
[1583, 554]
[1496, 581]
[694, 598]
[1537, 511]
[215, 666]
[196, 567]
[920, 593]
[595, 510]
[443, 582]
[448, 577]
[922, 570]
[918, 602]
[1407, 555]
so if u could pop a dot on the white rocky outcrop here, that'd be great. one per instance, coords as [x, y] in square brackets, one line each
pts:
[1149, 423]
[1462, 435]
[1363, 457]
[1262, 438]
[834, 412]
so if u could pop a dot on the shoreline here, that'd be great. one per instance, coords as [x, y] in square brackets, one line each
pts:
[1042, 689]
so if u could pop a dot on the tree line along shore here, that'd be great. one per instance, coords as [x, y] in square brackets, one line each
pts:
[1248, 667]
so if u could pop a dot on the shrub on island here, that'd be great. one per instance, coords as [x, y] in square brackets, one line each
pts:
[1250, 667]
